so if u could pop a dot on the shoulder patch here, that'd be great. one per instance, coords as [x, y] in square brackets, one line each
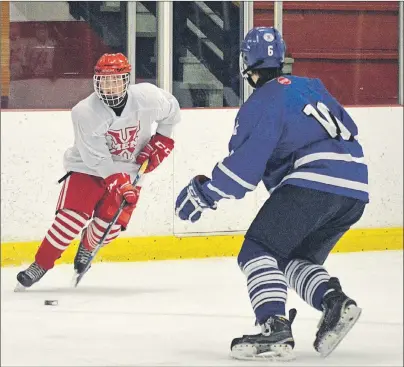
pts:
[284, 81]
[269, 37]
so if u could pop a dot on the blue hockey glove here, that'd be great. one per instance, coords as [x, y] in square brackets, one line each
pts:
[192, 201]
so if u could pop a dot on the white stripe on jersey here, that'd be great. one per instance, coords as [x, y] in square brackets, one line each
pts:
[220, 192]
[234, 177]
[328, 180]
[328, 155]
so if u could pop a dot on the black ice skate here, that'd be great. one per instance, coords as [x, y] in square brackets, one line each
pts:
[83, 257]
[29, 276]
[274, 343]
[340, 314]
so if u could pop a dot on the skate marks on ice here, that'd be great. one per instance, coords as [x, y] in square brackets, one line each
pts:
[178, 313]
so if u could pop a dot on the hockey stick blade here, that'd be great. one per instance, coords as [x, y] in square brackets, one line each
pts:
[77, 277]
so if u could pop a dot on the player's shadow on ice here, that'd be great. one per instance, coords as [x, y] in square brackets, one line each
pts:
[340, 357]
[101, 291]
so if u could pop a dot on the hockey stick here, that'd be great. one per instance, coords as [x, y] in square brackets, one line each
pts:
[77, 277]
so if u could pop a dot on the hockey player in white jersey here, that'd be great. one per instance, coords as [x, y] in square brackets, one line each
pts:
[112, 138]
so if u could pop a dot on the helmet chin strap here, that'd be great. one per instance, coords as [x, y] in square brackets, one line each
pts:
[110, 101]
[261, 81]
[264, 78]
[249, 79]
[251, 82]
[123, 102]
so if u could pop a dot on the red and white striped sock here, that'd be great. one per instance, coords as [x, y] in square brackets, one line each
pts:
[96, 230]
[66, 227]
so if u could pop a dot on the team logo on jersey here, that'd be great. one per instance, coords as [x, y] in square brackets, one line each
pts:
[123, 142]
[284, 81]
[269, 37]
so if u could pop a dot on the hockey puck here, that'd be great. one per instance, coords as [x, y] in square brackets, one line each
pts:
[51, 303]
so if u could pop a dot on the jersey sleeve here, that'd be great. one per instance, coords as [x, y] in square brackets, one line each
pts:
[168, 113]
[91, 142]
[250, 150]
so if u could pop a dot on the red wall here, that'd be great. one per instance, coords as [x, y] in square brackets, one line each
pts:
[351, 46]
[76, 47]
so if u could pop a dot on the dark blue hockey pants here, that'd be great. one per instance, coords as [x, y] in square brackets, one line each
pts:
[297, 222]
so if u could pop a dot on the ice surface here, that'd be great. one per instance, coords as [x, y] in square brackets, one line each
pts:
[185, 313]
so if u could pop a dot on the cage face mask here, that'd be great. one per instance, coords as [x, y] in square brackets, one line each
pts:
[111, 78]
[111, 89]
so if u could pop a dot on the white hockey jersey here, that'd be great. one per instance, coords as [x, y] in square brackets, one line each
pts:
[105, 144]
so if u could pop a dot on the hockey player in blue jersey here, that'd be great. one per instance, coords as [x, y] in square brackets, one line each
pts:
[296, 138]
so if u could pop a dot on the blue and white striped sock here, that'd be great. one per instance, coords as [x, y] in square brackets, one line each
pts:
[267, 287]
[308, 280]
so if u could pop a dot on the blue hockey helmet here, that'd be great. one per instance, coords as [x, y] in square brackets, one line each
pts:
[262, 47]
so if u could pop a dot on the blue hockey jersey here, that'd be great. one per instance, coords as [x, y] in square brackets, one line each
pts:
[292, 131]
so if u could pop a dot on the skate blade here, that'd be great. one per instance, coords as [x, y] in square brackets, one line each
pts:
[19, 288]
[75, 279]
[248, 352]
[334, 337]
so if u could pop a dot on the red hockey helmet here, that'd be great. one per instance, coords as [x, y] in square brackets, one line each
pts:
[111, 78]
[109, 64]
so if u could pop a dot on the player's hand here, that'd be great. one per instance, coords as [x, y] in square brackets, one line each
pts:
[120, 183]
[192, 201]
[158, 148]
